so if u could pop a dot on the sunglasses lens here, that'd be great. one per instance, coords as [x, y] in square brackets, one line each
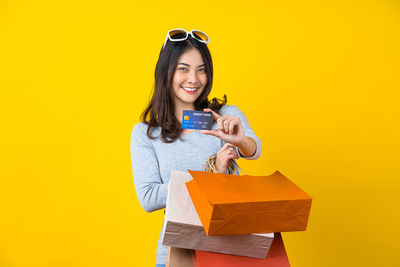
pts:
[177, 34]
[201, 35]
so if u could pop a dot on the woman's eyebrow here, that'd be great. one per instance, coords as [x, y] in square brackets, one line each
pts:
[202, 65]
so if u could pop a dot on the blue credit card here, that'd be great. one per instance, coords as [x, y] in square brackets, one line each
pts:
[196, 119]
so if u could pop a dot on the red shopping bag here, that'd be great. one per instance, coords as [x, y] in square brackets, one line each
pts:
[276, 257]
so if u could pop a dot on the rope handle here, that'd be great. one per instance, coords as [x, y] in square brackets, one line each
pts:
[209, 166]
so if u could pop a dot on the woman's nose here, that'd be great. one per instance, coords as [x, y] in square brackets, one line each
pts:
[192, 77]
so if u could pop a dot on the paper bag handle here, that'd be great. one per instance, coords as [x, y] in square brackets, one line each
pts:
[209, 166]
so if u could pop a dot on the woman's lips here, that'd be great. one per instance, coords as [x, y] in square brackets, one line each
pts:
[190, 90]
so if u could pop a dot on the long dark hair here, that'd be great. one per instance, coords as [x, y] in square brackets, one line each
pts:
[160, 111]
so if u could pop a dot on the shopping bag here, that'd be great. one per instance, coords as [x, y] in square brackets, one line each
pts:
[233, 204]
[179, 257]
[183, 228]
[277, 257]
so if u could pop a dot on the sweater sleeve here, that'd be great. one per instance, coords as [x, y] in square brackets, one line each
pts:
[248, 131]
[150, 190]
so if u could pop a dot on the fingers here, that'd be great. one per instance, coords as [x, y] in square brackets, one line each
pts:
[232, 125]
[227, 154]
[228, 150]
[214, 114]
[231, 154]
[220, 122]
[229, 127]
[227, 123]
[218, 118]
[226, 146]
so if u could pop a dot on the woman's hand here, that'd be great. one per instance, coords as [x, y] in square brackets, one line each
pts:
[226, 153]
[230, 129]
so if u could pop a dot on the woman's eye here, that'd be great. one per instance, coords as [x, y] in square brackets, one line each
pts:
[202, 70]
[182, 68]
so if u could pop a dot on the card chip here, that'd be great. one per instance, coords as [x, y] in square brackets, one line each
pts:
[186, 118]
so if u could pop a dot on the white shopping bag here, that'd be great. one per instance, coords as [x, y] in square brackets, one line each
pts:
[183, 228]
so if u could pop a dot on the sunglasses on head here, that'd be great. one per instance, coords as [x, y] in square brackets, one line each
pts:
[171, 35]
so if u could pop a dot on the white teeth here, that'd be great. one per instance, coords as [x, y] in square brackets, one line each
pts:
[189, 89]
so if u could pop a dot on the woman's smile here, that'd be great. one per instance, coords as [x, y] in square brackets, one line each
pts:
[190, 90]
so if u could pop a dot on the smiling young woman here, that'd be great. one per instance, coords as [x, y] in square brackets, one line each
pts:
[189, 81]
[183, 81]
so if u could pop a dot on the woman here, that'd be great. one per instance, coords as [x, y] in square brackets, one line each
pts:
[183, 81]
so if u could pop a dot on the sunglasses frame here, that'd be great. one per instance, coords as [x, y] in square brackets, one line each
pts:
[187, 35]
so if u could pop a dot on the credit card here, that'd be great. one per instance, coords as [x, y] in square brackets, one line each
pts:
[196, 119]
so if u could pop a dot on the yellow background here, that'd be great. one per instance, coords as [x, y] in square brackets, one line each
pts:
[318, 80]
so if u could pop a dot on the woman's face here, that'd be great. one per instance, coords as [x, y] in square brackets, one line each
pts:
[189, 79]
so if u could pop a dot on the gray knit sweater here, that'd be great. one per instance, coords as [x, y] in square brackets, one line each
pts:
[153, 160]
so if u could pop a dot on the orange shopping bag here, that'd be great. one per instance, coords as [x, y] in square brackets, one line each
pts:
[233, 204]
